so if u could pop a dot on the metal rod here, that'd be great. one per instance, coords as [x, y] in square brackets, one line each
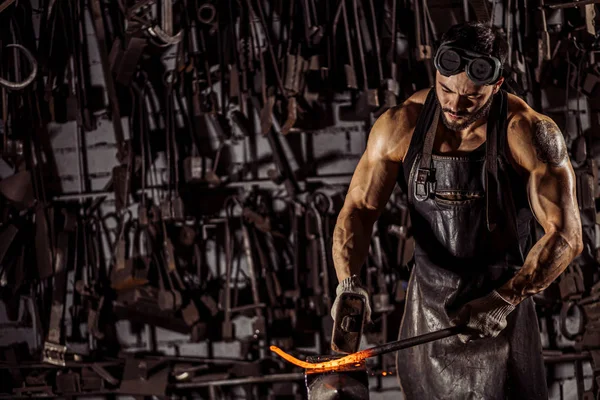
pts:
[579, 379]
[297, 376]
[69, 364]
[571, 4]
[564, 358]
[329, 178]
[414, 341]
[5, 4]
[207, 360]
[59, 396]
[248, 307]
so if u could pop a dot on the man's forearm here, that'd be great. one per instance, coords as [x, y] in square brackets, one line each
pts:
[351, 240]
[547, 259]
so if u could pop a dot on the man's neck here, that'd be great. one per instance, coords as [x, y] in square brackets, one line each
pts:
[460, 142]
[472, 130]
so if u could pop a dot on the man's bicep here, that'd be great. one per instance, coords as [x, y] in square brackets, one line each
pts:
[535, 141]
[549, 143]
[372, 183]
[552, 197]
[377, 170]
[551, 183]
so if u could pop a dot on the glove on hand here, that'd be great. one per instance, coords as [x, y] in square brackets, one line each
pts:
[484, 317]
[352, 284]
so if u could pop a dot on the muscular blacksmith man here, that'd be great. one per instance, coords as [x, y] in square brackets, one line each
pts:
[476, 163]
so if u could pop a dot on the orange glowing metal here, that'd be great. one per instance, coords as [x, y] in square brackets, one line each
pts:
[354, 358]
[358, 357]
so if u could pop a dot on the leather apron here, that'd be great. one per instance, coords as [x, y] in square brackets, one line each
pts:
[464, 250]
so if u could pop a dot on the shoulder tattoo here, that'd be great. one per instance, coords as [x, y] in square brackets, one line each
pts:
[549, 143]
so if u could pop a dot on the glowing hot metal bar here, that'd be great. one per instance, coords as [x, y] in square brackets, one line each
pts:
[359, 356]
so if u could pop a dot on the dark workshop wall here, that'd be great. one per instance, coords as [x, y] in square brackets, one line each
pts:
[273, 146]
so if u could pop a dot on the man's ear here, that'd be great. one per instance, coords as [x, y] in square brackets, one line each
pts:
[497, 85]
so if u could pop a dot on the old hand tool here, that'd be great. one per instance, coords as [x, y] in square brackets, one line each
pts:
[34, 68]
[373, 351]
[349, 322]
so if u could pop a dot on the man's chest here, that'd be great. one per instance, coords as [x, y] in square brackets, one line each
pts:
[453, 145]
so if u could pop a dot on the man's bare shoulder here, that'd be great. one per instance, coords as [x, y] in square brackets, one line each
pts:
[419, 97]
[392, 132]
[533, 137]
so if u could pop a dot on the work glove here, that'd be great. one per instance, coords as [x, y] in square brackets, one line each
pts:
[484, 317]
[352, 284]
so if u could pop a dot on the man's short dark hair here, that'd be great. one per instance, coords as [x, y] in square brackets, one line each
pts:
[479, 37]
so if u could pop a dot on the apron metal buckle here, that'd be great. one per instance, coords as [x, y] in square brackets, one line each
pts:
[425, 185]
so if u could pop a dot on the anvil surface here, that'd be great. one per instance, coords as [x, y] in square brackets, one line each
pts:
[349, 382]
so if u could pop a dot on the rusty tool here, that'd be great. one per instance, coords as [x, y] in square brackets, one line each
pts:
[571, 4]
[32, 75]
[5, 4]
[357, 357]
[349, 322]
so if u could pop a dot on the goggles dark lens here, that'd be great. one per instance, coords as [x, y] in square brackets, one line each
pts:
[450, 62]
[481, 70]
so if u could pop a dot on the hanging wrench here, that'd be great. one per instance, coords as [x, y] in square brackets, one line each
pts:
[162, 34]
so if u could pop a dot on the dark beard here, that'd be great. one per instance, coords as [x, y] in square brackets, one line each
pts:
[470, 118]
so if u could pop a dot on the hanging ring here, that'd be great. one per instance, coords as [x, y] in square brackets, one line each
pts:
[207, 13]
[34, 68]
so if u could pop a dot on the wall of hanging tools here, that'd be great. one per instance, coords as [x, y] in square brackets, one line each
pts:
[172, 170]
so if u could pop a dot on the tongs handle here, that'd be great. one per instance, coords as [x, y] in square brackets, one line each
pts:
[414, 341]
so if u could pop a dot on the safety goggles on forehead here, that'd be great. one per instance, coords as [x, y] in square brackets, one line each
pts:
[482, 69]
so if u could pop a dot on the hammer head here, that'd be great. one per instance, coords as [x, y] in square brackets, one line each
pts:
[348, 323]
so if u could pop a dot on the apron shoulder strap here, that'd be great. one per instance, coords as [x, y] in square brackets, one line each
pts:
[418, 138]
[496, 124]
[425, 181]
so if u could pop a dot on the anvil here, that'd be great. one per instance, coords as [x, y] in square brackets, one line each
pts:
[349, 382]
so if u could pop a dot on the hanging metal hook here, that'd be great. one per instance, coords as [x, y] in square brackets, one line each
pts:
[34, 68]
